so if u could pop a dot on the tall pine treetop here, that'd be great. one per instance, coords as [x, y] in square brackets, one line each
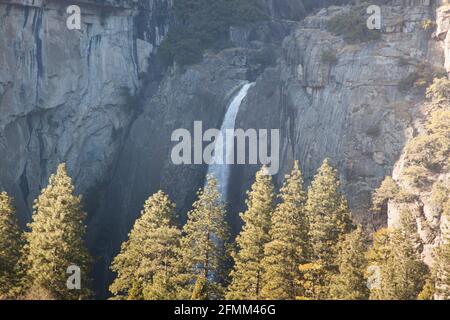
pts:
[350, 281]
[292, 189]
[247, 276]
[204, 243]
[146, 266]
[11, 244]
[328, 212]
[288, 246]
[56, 240]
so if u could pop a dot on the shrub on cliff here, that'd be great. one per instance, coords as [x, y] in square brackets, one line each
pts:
[439, 195]
[352, 26]
[329, 57]
[421, 78]
[429, 151]
[396, 252]
[388, 190]
[202, 24]
[439, 90]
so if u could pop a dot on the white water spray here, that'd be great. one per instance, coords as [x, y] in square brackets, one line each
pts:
[222, 171]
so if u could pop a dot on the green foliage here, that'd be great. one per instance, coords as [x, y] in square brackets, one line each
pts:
[349, 283]
[329, 57]
[412, 80]
[11, 245]
[130, 101]
[427, 25]
[329, 220]
[421, 78]
[429, 151]
[439, 123]
[439, 195]
[56, 239]
[247, 276]
[388, 190]
[328, 213]
[397, 253]
[352, 26]
[442, 270]
[37, 292]
[146, 266]
[441, 267]
[200, 289]
[428, 290]
[313, 281]
[288, 246]
[204, 243]
[201, 24]
[416, 175]
[439, 90]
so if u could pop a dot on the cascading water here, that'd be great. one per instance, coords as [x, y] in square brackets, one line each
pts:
[220, 167]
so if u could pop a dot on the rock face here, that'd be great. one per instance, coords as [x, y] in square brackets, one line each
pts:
[61, 91]
[429, 217]
[196, 93]
[352, 110]
[65, 94]
[97, 99]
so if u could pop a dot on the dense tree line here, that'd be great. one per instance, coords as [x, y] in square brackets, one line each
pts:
[297, 244]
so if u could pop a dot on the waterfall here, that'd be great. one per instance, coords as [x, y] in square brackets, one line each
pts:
[220, 168]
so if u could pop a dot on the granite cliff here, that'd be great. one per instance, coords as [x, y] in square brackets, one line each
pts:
[99, 99]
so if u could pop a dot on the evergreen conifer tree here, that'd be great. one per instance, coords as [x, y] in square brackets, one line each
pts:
[441, 266]
[288, 246]
[247, 276]
[146, 266]
[329, 220]
[350, 282]
[402, 272]
[204, 243]
[56, 240]
[328, 214]
[11, 245]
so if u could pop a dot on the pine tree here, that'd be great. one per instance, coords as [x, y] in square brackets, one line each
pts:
[287, 248]
[428, 290]
[247, 276]
[11, 245]
[146, 266]
[406, 263]
[328, 214]
[56, 239]
[204, 243]
[441, 266]
[402, 272]
[350, 282]
[378, 256]
[329, 220]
